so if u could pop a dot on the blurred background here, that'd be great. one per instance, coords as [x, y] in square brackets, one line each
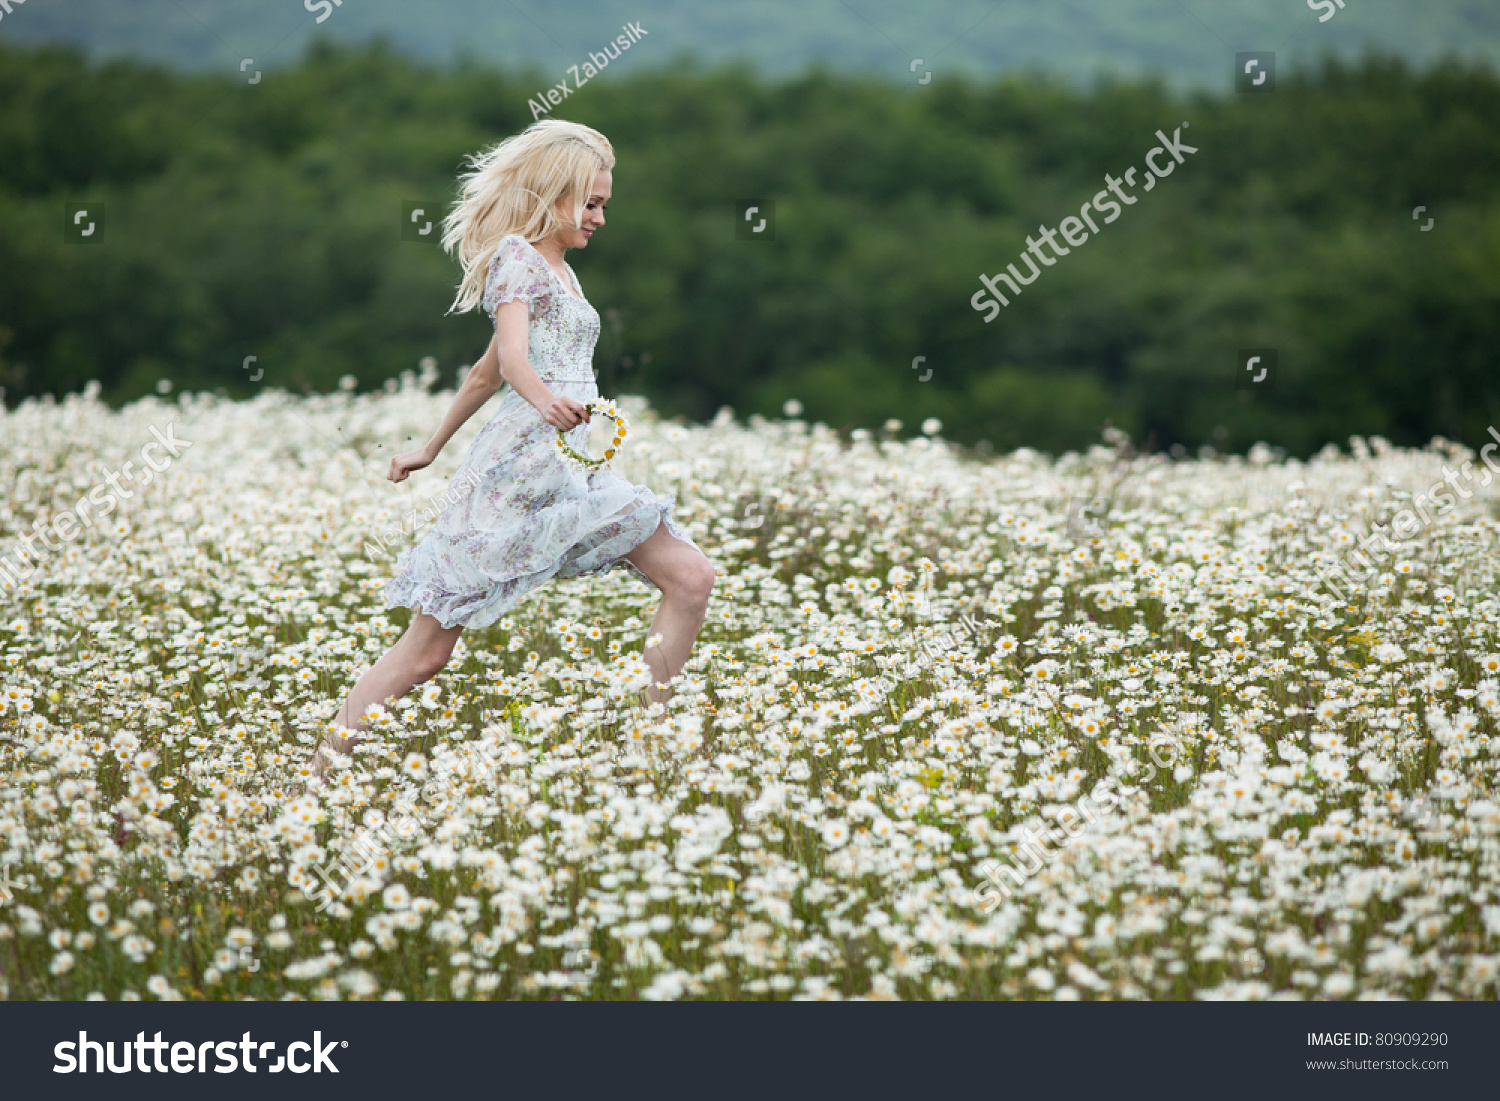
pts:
[219, 194]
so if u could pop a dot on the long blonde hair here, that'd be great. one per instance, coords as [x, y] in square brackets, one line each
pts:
[515, 187]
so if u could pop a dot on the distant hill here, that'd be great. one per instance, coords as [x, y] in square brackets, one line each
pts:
[1189, 42]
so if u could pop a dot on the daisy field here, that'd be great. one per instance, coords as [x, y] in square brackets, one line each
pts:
[811, 814]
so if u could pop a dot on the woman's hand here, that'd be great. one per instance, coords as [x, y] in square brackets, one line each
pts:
[402, 465]
[564, 413]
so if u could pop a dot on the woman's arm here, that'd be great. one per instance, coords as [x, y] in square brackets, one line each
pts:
[512, 341]
[504, 358]
[478, 387]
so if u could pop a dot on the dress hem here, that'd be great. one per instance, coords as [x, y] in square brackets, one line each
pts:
[461, 609]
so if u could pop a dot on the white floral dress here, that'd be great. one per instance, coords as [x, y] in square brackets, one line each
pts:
[526, 516]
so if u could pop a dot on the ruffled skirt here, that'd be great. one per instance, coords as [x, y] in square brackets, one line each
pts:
[519, 515]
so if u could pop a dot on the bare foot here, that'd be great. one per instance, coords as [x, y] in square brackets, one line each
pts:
[310, 775]
[647, 705]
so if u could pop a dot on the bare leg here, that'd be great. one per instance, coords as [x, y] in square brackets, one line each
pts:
[419, 655]
[686, 579]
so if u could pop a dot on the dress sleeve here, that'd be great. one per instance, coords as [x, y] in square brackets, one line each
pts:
[517, 271]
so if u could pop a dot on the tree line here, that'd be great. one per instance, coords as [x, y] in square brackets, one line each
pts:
[274, 220]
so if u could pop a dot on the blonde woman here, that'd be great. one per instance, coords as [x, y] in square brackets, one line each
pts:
[523, 515]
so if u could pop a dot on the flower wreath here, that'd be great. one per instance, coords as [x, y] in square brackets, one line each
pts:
[585, 461]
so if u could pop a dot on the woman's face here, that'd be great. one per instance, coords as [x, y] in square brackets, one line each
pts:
[593, 214]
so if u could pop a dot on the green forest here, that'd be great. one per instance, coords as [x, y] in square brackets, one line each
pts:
[239, 219]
